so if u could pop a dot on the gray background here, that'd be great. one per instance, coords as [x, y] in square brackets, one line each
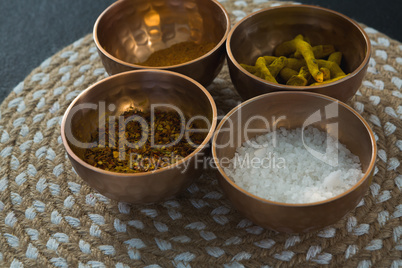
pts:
[33, 30]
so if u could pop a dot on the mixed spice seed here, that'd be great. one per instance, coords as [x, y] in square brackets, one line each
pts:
[140, 143]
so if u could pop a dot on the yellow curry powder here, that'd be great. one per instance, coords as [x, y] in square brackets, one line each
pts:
[177, 54]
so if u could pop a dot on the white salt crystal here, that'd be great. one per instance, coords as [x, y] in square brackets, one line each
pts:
[333, 180]
[278, 167]
[260, 152]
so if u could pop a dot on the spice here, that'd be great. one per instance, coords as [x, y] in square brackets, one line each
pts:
[143, 143]
[300, 45]
[177, 54]
[299, 79]
[306, 60]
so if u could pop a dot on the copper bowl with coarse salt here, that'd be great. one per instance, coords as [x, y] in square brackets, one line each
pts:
[273, 194]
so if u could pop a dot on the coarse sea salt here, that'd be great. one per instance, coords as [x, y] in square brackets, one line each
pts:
[292, 166]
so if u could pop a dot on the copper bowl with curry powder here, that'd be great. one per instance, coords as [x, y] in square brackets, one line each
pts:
[128, 32]
[294, 110]
[259, 33]
[105, 101]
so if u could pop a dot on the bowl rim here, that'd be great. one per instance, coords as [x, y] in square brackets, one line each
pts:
[366, 175]
[299, 88]
[132, 65]
[92, 87]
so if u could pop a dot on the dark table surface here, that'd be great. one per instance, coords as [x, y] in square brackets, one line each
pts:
[31, 31]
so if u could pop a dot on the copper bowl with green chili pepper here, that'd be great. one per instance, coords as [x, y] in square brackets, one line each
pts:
[184, 36]
[261, 38]
[140, 136]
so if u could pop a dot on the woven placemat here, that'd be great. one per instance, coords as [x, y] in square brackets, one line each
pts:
[50, 217]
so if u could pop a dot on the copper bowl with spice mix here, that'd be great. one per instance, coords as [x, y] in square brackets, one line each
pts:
[259, 34]
[140, 136]
[184, 36]
[295, 189]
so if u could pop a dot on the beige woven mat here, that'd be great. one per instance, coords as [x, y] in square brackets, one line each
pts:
[50, 217]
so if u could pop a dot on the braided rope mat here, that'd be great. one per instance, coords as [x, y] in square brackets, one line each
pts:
[50, 217]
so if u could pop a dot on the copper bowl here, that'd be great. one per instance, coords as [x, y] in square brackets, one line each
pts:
[139, 89]
[129, 31]
[291, 110]
[259, 33]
